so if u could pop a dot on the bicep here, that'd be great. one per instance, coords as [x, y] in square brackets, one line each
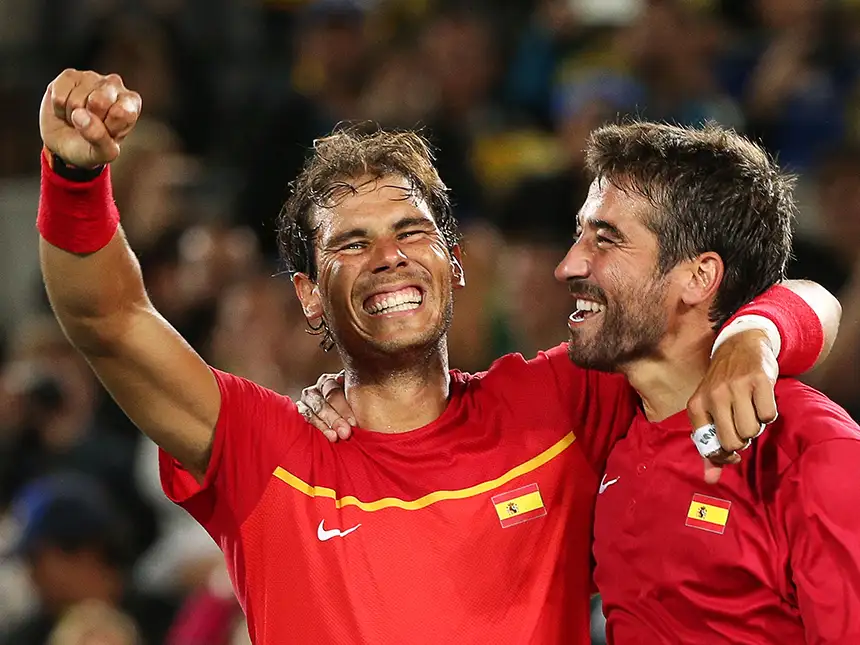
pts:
[821, 498]
[163, 386]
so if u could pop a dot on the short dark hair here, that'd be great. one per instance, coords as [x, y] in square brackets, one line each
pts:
[347, 154]
[711, 190]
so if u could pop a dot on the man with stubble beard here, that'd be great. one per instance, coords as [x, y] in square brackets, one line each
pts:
[680, 228]
[457, 514]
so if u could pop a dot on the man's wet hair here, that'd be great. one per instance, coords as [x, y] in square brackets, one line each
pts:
[338, 161]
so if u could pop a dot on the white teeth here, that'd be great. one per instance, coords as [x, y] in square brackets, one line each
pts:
[589, 305]
[398, 301]
[406, 306]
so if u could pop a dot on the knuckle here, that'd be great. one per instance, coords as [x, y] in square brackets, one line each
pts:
[118, 112]
[67, 74]
[720, 393]
[696, 404]
[763, 381]
[98, 100]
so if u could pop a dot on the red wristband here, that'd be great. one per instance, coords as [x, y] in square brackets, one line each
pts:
[78, 217]
[799, 327]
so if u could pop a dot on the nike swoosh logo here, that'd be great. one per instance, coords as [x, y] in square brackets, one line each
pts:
[324, 534]
[606, 484]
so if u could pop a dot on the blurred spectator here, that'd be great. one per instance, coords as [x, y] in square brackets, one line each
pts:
[150, 179]
[538, 223]
[829, 259]
[260, 333]
[787, 72]
[51, 422]
[322, 88]
[94, 623]
[153, 56]
[77, 550]
[834, 261]
[184, 556]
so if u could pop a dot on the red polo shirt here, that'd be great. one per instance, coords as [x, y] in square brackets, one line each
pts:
[770, 554]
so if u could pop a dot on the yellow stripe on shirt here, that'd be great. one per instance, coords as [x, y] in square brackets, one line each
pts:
[431, 498]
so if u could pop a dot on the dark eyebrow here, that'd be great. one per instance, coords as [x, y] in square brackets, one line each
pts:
[606, 226]
[401, 224]
[408, 222]
[346, 236]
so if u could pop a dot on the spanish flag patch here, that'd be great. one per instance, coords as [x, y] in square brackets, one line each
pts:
[518, 506]
[708, 513]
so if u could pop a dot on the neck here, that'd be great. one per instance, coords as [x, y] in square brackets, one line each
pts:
[666, 381]
[399, 396]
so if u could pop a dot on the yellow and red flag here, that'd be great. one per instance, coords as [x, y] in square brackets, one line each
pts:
[519, 505]
[708, 513]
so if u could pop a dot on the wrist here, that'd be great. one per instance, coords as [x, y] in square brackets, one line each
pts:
[71, 172]
[749, 322]
[76, 216]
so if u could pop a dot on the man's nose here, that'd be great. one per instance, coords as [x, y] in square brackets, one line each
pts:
[388, 255]
[576, 264]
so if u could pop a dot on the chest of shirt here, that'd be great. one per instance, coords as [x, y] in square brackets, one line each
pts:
[458, 559]
[681, 553]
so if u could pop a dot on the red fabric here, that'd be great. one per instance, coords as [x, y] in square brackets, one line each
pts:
[785, 569]
[78, 217]
[799, 327]
[205, 619]
[421, 570]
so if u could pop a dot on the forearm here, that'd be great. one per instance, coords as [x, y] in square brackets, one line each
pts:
[92, 277]
[800, 318]
[826, 308]
[95, 296]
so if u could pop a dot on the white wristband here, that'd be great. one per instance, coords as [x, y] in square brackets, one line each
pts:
[745, 323]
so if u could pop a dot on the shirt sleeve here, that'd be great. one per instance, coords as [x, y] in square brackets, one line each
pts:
[256, 430]
[821, 506]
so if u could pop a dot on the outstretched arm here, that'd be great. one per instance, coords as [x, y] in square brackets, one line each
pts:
[93, 278]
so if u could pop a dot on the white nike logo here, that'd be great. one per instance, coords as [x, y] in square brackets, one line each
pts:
[606, 484]
[323, 534]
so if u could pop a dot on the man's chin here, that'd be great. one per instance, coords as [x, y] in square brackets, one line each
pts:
[588, 357]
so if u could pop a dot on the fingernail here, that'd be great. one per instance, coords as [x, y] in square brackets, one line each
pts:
[352, 421]
[343, 431]
[330, 435]
[81, 118]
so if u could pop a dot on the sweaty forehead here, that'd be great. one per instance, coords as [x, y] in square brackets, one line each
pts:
[370, 203]
[607, 202]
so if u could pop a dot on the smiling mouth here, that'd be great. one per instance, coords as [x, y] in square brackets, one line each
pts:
[586, 309]
[405, 299]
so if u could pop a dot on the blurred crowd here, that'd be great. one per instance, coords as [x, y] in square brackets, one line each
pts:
[234, 92]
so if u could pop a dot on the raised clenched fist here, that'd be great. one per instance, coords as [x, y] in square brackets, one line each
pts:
[85, 116]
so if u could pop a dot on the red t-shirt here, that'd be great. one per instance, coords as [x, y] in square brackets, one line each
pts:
[770, 554]
[474, 529]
